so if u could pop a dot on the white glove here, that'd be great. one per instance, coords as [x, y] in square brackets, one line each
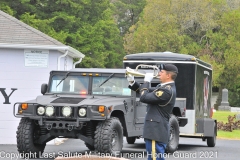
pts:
[130, 78]
[148, 77]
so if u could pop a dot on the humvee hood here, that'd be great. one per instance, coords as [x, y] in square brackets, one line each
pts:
[70, 100]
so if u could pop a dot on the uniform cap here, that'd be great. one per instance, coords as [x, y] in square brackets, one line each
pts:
[169, 67]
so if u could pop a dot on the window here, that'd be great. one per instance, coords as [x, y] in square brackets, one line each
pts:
[114, 86]
[72, 84]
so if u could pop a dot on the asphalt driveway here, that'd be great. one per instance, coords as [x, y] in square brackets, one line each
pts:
[189, 148]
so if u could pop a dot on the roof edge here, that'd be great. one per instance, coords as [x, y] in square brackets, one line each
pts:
[62, 48]
[28, 27]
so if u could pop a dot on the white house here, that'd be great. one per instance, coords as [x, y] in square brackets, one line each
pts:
[26, 58]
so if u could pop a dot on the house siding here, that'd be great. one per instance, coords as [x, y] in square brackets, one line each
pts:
[27, 80]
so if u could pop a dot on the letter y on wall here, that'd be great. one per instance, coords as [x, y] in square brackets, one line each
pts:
[2, 90]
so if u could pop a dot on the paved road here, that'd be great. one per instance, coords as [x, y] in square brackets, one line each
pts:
[189, 148]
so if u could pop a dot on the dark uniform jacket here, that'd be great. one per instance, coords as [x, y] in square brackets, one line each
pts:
[160, 100]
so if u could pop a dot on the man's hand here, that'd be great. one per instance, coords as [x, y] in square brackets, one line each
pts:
[130, 78]
[148, 77]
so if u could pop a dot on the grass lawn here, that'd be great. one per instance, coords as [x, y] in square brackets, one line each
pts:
[223, 116]
[235, 134]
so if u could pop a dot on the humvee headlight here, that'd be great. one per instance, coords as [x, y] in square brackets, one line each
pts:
[49, 110]
[82, 112]
[66, 111]
[41, 110]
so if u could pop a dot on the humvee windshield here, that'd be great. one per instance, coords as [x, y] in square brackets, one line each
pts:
[72, 84]
[76, 84]
[114, 86]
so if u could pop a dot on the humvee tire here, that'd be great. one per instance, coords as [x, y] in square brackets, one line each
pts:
[211, 141]
[27, 132]
[172, 145]
[109, 136]
[131, 140]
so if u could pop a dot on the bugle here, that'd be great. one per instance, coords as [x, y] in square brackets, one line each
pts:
[136, 73]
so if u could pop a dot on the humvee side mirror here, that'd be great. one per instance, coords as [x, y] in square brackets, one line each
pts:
[44, 88]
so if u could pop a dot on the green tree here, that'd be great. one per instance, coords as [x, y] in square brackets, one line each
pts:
[127, 13]
[157, 30]
[5, 8]
[225, 47]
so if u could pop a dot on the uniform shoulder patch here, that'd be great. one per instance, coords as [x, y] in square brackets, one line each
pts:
[159, 93]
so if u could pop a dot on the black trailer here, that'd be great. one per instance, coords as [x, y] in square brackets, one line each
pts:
[194, 90]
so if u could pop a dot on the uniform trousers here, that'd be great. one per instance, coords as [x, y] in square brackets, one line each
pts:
[155, 150]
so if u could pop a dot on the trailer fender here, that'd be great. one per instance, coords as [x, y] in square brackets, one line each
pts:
[209, 127]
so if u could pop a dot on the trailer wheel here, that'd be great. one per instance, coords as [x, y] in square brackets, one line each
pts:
[27, 132]
[109, 136]
[174, 135]
[131, 140]
[211, 141]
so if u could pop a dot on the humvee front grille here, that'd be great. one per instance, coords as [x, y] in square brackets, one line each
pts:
[68, 100]
[58, 111]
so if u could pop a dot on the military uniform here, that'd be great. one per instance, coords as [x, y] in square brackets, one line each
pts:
[160, 100]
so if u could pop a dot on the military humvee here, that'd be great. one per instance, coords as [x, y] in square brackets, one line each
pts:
[96, 106]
